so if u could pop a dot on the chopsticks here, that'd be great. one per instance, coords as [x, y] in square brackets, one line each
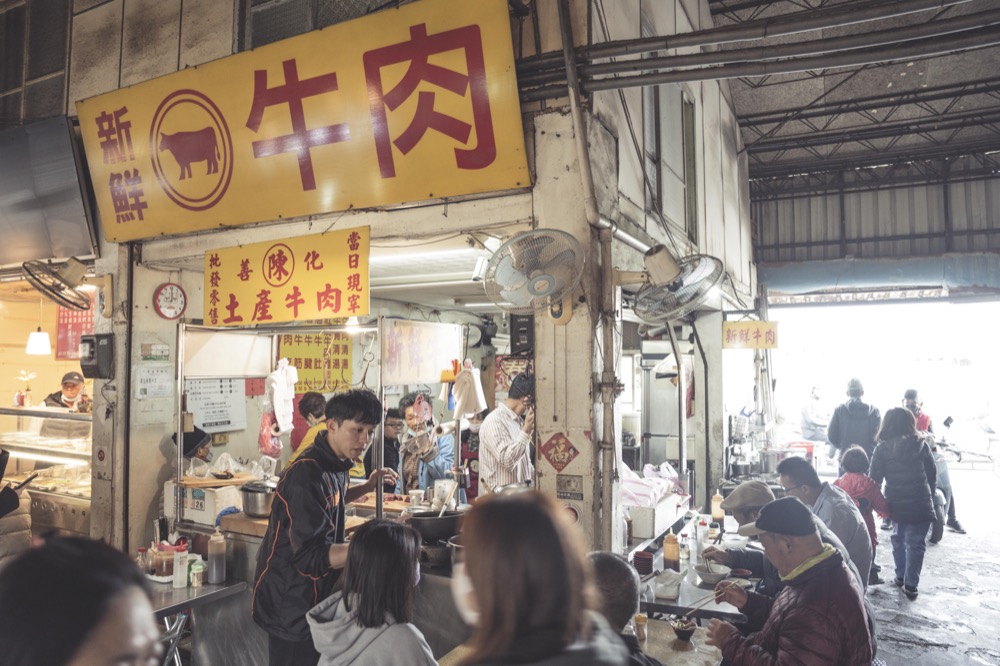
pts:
[701, 603]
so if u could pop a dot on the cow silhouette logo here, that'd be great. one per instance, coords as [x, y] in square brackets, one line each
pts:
[187, 147]
[191, 150]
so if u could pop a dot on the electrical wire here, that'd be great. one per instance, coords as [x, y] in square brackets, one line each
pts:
[664, 224]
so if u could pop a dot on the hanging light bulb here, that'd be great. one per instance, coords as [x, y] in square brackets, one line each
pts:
[352, 326]
[38, 341]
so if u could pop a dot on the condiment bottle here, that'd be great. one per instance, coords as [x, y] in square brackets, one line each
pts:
[180, 568]
[640, 626]
[217, 558]
[683, 548]
[142, 561]
[713, 532]
[671, 552]
[718, 514]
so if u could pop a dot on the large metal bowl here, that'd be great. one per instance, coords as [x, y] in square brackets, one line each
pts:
[434, 529]
[257, 498]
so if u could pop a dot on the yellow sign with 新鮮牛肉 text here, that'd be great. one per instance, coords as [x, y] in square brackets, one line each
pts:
[413, 103]
[307, 278]
[750, 335]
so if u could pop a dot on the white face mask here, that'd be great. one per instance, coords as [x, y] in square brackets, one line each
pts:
[463, 596]
[474, 427]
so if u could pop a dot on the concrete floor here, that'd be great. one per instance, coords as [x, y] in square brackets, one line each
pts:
[956, 618]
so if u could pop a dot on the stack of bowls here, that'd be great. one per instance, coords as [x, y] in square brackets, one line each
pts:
[643, 562]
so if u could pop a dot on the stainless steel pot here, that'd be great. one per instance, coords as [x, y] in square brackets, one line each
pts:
[457, 549]
[257, 497]
[770, 458]
[738, 469]
[433, 528]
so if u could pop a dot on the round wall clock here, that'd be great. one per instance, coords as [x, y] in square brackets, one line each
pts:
[169, 300]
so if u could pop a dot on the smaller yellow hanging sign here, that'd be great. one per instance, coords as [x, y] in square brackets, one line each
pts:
[749, 335]
[322, 276]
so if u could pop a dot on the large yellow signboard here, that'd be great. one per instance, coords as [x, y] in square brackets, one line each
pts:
[297, 279]
[407, 104]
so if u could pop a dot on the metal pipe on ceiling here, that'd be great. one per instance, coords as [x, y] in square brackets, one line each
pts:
[883, 131]
[783, 170]
[806, 21]
[970, 40]
[858, 105]
[799, 49]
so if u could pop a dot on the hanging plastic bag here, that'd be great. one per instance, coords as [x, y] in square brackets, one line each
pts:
[268, 442]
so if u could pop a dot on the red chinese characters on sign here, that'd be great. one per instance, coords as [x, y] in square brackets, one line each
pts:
[125, 187]
[278, 265]
[302, 139]
[214, 263]
[559, 451]
[417, 53]
[71, 325]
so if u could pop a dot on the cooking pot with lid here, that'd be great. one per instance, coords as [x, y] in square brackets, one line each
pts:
[257, 497]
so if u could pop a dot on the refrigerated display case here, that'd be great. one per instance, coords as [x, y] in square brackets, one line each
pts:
[55, 444]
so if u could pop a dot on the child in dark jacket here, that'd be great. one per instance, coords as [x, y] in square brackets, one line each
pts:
[865, 493]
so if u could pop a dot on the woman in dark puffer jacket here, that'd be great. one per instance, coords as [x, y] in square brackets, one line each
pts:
[904, 461]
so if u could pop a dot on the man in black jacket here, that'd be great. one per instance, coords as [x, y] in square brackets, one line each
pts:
[854, 422]
[303, 549]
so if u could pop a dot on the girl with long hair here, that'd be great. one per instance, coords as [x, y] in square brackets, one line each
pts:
[366, 621]
[526, 587]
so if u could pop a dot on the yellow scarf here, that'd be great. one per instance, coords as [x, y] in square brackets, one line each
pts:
[824, 554]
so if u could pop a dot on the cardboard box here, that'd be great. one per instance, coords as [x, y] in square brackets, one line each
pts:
[648, 522]
[202, 505]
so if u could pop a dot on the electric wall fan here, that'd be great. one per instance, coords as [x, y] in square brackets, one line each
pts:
[534, 271]
[62, 285]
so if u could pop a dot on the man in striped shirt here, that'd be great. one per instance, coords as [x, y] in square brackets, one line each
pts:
[504, 441]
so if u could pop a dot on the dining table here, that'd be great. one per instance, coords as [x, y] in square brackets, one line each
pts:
[660, 643]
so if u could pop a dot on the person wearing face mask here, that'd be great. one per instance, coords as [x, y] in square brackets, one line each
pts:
[367, 620]
[76, 602]
[912, 403]
[527, 588]
[470, 452]
[71, 396]
[197, 444]
[505, 441]
[424, 457]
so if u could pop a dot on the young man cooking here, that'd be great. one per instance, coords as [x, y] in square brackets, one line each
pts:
[304, 548]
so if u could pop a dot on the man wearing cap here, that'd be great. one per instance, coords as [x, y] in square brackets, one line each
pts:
[504, 441]
[745, 503]
[71, 396]
[854, 422]
[819, 616]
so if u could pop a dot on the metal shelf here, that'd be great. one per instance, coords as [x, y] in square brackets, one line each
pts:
[56, 413]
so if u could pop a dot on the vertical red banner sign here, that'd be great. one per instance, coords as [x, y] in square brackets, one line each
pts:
[71, 324]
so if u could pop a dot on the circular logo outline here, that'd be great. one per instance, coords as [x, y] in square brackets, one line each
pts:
[226, 151]
[265, 272]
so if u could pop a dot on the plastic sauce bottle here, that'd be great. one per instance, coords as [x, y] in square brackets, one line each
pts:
[671, 552]
[217, 558]
[718, 515]
[180, 568]
[683, 548]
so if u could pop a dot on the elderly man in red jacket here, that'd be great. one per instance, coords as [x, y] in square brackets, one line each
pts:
[818, 618]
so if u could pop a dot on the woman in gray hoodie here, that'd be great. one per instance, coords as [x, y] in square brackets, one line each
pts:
[366, 622]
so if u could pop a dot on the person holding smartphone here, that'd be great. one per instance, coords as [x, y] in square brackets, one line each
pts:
[505, 440]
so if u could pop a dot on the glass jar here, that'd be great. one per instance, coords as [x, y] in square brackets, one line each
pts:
[163, 563]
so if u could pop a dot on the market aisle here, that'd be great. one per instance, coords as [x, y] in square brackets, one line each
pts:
[954, 619]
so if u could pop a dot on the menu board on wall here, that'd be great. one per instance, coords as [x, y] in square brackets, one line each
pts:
[218, 405]
[323, 360]
[71, 324]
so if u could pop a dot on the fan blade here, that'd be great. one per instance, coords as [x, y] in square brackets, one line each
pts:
[506, 275]
[557, 247]
[519, 298]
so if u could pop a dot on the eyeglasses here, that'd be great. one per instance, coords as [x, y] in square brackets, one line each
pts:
[393, 424]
